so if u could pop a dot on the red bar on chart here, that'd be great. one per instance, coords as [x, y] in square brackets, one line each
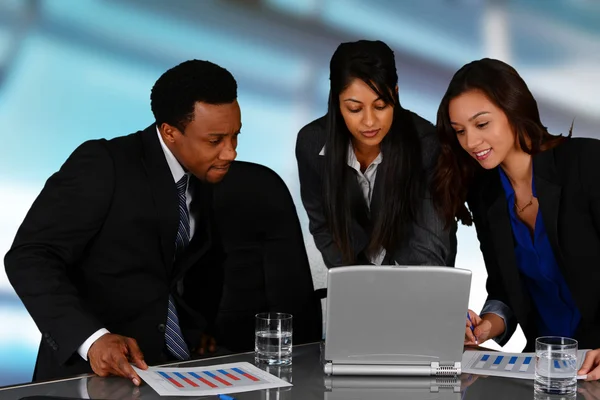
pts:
[228, 374]
[173, 381]
[244, 373]
[201, 379]
[185, 379]
[217, 378]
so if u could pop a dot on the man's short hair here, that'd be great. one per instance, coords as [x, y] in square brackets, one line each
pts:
[176, 92]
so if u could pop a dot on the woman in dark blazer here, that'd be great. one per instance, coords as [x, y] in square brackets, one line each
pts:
[535, 201]
[363, 169]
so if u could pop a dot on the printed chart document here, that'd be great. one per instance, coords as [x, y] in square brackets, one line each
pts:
[209, 380]
[509, 365]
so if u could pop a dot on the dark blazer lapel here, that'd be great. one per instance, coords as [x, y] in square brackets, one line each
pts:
[548, 194]
[377, 197]
[201, 242]
[502, 237]
[375, 210]
[361, 222]
[164, 193]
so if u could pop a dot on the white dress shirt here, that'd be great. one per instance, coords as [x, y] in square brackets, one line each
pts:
[366, 181]
[177, 171]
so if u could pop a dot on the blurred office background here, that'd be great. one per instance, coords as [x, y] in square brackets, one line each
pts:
[72, 70]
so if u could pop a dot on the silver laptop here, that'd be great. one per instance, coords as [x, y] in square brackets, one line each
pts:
[402, 321]
[391, 388]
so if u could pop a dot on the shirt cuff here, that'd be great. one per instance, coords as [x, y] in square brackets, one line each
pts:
[85, 347]
[503, 311]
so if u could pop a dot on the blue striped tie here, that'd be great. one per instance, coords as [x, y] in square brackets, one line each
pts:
[173, 335]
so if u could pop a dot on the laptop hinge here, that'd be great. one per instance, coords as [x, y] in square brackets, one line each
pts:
[445, 370]
[434, 369]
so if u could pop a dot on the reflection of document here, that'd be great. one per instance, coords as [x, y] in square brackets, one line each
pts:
[509, 365]
[211, 380]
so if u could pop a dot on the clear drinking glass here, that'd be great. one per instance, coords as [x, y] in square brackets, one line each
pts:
[555, 365]
[273, 338]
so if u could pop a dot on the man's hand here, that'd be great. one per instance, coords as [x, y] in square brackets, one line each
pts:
[111, 355]
[207, 343]
[591, 365]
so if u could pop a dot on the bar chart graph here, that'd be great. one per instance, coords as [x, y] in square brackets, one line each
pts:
[512, 365]
[209, 379]
[517, 363]
[216, 379]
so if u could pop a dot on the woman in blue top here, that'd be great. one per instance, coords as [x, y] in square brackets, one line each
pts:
[535, 201]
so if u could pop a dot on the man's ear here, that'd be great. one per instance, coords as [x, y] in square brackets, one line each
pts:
[168, 132]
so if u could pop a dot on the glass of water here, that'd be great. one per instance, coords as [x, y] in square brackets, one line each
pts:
[555, 365]
[273, 338]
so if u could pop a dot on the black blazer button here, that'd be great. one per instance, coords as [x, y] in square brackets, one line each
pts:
[162, 328]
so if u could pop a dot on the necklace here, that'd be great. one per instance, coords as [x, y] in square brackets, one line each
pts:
[521, 209]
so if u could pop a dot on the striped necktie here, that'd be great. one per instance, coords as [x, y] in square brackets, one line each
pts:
[173, 336]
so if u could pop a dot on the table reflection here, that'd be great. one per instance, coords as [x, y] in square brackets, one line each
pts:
[391, 388]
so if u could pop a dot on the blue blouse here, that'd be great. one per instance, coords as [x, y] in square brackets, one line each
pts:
[557, 313]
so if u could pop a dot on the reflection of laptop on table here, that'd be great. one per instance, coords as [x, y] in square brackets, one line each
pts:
[391, 388]
[395, 320]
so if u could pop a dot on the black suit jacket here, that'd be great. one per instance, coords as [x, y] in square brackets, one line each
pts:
[265, 265]
[567, 181]
[96, 250]
[428, 242]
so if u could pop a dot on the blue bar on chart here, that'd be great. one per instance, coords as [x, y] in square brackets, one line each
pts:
[511, 363]
[185, 379]
[481, 362]
[497, 362]
[525, 365]
[201, 379]
[569, 363]
[228, 374]
[245, 374]
[217, 378]
[170, 379]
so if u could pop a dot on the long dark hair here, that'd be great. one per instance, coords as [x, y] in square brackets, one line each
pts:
[455, 168]
[401, 169]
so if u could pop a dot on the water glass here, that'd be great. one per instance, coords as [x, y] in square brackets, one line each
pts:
[273, 339]
[555, 365]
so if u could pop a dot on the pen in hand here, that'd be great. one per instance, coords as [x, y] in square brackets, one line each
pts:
[472, 328]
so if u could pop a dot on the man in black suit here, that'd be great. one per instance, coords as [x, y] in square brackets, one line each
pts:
[100, 257]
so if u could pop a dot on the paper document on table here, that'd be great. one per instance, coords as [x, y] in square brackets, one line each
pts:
[509, 365]
[209, 380]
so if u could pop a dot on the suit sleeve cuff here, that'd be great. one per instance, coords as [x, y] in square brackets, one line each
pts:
[503, 311]
[85, 347]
